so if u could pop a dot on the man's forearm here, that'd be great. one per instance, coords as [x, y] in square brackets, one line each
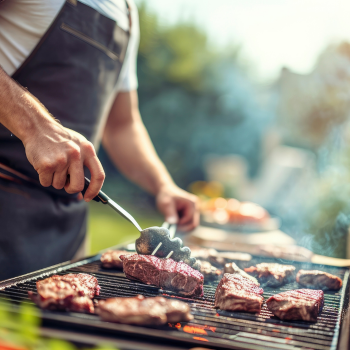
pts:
[128, 144]
[53, 150]
[20, 112]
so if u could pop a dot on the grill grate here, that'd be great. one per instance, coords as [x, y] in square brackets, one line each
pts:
[222, 329]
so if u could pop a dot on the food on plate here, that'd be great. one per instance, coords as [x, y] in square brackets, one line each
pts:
[143, 311]
[71, 292]
[272, 274]
[300, 304]
[237, 293]
[233, 268]
[208, 270]
[164, 273]
[111, 259]
[223, 211]
[318, 279]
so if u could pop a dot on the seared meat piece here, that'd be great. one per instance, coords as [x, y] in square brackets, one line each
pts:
[233, 268]
[84, 283]
[217, 258]
[137, 310]
[176, 310]
[69, 303]
[164, 273]
[318, 279]
[69, 292]
[237, 293]
[143, 311]
[111, 259]
[208, 270]
[207, 254]
[300, 304]
[88, 282]
[271, 274]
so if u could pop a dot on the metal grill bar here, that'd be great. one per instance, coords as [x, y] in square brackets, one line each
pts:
[231, 330]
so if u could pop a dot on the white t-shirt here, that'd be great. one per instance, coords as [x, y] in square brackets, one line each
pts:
[24, 22]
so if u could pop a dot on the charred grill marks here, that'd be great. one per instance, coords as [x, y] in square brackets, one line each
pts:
[300, 304]
[237, 293]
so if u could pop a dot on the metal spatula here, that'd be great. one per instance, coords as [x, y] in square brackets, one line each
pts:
[103, 198]
[153, 238]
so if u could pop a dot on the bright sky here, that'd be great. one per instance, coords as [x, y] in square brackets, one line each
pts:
[273, 33]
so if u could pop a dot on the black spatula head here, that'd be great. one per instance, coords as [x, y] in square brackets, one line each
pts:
[152, 236]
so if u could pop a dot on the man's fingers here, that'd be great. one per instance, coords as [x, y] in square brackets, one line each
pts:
[192, 224]
[188, 209]
[59, 179]
[76, 178]
[97, 177]
[167, 206]
[46, 179]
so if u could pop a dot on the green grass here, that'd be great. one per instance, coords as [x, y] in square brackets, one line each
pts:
[107, 228]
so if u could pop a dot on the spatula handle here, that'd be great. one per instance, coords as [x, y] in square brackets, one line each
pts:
[101, 197]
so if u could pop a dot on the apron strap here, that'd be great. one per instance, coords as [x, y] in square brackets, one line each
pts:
[129, 15]
[10, 174]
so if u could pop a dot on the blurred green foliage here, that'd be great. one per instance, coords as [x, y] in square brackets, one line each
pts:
[194, 100]
[172, 55]
[20, 330]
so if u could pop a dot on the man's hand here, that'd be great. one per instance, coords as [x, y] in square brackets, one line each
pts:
[55, 152]
[179, 207]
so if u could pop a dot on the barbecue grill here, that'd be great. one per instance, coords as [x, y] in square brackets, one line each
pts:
[210, 328]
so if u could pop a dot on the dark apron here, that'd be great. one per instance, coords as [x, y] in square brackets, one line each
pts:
[73, 71]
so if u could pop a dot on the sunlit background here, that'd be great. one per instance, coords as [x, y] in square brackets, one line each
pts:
[247, 100]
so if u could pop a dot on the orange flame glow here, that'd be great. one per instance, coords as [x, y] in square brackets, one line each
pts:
[199, 338]
[194, 330]
[198, 329]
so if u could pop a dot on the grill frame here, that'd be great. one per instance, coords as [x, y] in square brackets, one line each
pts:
[91, 324]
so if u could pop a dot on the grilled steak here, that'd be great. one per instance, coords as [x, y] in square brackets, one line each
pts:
[111, 259]
[164, 273]
[210, 255]
[318, 280]
[237, 293]
[300, 304]
[143, 311]
[69, 292]
[208, 270]
[271, 274]
[176, 310]
[233, 268]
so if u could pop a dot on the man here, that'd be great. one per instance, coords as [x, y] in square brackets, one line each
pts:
[77, 63]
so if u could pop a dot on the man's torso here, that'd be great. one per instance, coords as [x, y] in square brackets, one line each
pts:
[24, 22]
